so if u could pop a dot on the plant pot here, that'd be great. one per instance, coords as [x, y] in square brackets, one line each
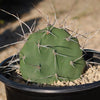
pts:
[17, 91]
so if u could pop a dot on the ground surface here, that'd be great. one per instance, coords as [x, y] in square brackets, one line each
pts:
[83, 17]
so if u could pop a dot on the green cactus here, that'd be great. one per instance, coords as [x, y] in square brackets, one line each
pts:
[50, 55]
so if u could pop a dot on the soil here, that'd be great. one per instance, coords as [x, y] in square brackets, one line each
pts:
[83, 18]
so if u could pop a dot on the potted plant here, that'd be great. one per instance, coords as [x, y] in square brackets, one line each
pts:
[49, 56]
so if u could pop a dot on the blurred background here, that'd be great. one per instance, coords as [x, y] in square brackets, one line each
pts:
[81, 16]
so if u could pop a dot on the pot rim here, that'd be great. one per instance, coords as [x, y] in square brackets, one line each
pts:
[47, 89]
[65, 89]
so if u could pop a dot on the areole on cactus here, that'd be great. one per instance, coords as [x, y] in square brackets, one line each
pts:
[51, 54]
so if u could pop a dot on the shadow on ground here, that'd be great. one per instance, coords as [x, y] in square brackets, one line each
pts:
[10, 36]
[17, 7]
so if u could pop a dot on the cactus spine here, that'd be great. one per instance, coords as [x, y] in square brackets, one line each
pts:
[50, 55]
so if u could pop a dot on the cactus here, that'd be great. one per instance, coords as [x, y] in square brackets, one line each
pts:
[51, 54]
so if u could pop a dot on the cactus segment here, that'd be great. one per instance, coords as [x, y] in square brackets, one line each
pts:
[50, 55]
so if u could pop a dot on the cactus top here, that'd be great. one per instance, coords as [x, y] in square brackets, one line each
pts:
[51, 54]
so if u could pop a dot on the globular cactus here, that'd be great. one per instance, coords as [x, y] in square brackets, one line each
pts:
[50, 55]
